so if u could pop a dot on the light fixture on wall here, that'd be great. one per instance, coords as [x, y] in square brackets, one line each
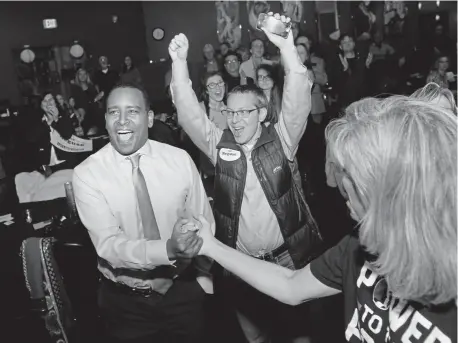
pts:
[114, 19]
[419, 5]
[438, 3]
[27, 55]
[438, 17]
[76, 50]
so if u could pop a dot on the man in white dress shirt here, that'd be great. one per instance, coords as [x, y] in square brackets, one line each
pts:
[129, 196]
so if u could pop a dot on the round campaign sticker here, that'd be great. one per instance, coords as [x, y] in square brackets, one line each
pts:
[229, 154]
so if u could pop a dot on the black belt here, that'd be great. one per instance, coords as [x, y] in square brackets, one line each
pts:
[144, 292]
[271, 256]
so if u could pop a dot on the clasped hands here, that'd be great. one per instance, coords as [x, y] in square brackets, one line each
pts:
[190, 237]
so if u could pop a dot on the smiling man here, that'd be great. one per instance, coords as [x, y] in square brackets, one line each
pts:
[129, 196]
[259, 209]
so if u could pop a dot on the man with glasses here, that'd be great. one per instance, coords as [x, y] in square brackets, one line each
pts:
[258, 208]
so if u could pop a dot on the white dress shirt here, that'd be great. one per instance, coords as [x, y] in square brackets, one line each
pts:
[107, 205]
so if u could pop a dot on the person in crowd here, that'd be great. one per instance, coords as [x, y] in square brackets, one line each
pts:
[84, 96]
[248, 68]
[211, 64]
[129, 195]
[162, 131]
[440, 74]
[231, 73]
[311, 147]
[41, 150]
[76, 115]
[395, 161]
[258, 207]
[385, 68]
[47, 162]
[224, 48]
[104, 79]
[441, 43]
[212, 96]
[267, 81]
[129, 72]
[319, 77]
[244, 53]
[349, 74]
[381, 51]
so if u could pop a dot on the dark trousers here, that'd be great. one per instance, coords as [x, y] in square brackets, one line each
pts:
[261, 317]
[177, 316]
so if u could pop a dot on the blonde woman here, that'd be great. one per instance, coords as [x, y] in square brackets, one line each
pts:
[439, 74]
[395, 162]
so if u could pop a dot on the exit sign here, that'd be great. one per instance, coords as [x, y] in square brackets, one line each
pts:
[50, 23]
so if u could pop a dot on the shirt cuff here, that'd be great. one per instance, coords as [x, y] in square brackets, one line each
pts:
[156, 253]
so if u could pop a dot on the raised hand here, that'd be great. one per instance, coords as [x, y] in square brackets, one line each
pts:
[178, 47]
[279, 41]
[369, 59]
[48, 105]
[344, 62]
[184, 243]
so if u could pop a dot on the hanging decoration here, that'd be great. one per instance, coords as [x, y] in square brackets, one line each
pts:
[27, 55]
[76, 50]
[228, 25]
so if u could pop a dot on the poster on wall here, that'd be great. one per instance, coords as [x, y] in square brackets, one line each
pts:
[228, 25]
[394, 18]
[292, 9]
[254, 8]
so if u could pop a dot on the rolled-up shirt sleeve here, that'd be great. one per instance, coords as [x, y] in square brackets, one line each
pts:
[109, 240]
[193, 119]
[296, 106]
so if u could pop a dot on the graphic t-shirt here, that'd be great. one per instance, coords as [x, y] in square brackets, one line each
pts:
[372, 314]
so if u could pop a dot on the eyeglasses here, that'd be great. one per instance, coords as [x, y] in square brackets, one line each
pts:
[231, 61]
[241, 113]
[264, 78]
[213, 85]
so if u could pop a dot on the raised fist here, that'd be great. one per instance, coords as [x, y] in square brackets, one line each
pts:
[178, 47]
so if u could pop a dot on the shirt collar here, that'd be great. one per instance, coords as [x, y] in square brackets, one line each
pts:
[144, 150]
[250, 145]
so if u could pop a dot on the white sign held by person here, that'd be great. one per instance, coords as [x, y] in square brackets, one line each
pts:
[74, 144]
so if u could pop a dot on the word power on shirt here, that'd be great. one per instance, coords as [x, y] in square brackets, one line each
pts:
[381, 318]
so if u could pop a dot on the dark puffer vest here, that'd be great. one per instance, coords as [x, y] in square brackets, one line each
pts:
[287, 201]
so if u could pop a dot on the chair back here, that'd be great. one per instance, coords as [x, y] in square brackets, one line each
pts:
[46, 287]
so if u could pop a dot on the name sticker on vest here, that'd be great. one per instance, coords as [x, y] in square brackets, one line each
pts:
[229, 154]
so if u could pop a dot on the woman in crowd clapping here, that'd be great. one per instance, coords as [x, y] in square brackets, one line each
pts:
[439, 74]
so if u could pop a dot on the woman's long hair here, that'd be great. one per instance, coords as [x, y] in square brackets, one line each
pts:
[77, 80]
[436, 61]
[274, 104]
[401, 155]
[124, 65]
[203, 94]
